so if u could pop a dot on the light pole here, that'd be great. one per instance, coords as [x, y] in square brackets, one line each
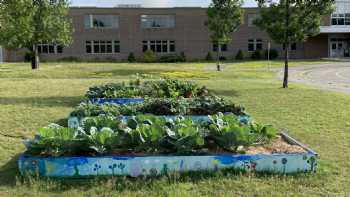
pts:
[1, 55]
[268, 55]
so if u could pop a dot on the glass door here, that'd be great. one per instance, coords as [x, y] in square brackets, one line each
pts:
[338, 49]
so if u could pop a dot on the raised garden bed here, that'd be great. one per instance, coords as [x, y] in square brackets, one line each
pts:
[163, 88]
[75, 122]
[197, 108]
[117, 101]
[156, 128]
[301, 160]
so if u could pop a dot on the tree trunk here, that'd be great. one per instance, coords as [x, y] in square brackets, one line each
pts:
[286, 46]
[218, 67]
[36, 59]
[286, 69]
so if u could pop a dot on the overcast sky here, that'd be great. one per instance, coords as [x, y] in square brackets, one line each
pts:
[151, 3]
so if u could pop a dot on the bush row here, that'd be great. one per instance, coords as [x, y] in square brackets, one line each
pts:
[150, 57]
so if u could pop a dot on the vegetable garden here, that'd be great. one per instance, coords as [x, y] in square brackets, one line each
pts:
[156, 127]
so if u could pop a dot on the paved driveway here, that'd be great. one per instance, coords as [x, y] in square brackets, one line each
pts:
[334, 76]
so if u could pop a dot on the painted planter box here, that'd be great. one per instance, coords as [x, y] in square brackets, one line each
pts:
[118, 101]
[75, 122]
[80, 167]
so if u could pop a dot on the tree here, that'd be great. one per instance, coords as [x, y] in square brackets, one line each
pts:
[224, 18]
[290, 21]
[28, 23]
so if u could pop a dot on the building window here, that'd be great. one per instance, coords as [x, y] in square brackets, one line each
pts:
[251, 19]
[341, 19]
[101, 21]
[159, 46]
[102, 47]
[50, 48]
[223, 47]
[292, 47]
[255, 44]
[157, 21]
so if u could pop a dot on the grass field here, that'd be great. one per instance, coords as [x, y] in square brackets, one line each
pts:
[321, 119]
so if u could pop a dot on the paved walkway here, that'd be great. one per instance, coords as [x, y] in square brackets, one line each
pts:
[334, 76]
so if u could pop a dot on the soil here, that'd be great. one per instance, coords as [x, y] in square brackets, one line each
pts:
[277, 145]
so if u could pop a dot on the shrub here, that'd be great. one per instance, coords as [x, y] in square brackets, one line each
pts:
[131, 58]
[239, 55]
[222, 58]
[209, 57]
[28, 56]
[149, 56]
[183, 57]
[170, 58]
[256, 55]
[273, 54]
[69, 59]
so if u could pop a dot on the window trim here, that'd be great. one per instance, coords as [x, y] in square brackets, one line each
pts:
[170, 27]
[215, 47]
[150, 43]
[91, 21]
[291, 48]
[337, 16]
[55, 48]
[114, 43]
[255, 43]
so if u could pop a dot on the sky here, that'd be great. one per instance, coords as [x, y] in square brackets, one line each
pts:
[151, 3]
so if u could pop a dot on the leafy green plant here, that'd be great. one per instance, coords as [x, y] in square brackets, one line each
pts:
[256, 55]
[149, 56]
[196, 106]
[55, 140]
[148, 134]
[100, 140]
[164, 88]
[209, 57]
[100, 122]
[170, 58]
[273, 54]
[131, 58]
[240, 55]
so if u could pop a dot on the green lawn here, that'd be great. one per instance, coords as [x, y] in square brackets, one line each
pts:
[32, 99]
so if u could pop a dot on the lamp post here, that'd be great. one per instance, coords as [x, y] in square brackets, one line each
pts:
[1, 55]
[268, 55]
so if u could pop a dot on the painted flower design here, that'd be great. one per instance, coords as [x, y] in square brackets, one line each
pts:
[112, 167]
[97, 167]
[153, 171]
[284, 161]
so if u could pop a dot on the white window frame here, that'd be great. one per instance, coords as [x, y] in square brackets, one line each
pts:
[48, 48]
[92, 45]
[255, 43]
[91, 21]
[339, 16]
[222, 46]
[168, 45]
[170, 23]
